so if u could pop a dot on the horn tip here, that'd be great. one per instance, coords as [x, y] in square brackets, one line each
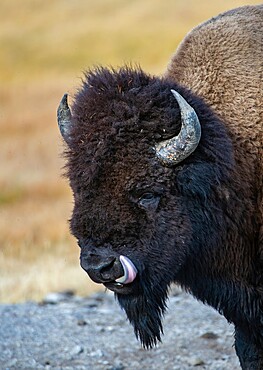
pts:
[64, 118]
[63, 105]
[175, 93]
[64, 98]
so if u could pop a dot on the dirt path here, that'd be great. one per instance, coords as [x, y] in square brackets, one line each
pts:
[93, 334]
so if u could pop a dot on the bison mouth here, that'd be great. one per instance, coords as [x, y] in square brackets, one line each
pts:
[123, 284]
[120, 288]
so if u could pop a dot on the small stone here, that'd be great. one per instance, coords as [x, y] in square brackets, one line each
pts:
[82, 322]
[195, 361]
[209, 335]
[76, 350]
[92, 305]
[12, 363]
[110, 328]
[118, 365]
[104, 362]
[98, 353]
[55, 298]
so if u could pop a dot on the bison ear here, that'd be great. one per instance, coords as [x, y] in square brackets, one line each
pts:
[64, 119]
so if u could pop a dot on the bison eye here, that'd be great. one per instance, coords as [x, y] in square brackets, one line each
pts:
[149, 201]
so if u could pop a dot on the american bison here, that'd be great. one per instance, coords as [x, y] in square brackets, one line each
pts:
[167, 174]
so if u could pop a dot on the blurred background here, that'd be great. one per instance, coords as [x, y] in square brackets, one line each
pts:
[44, 48]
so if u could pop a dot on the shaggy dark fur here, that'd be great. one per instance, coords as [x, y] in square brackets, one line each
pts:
[194, 223]
[119, 117]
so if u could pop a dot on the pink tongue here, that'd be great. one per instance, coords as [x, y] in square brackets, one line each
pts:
[130, 271]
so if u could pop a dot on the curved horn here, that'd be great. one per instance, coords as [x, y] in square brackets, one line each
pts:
[64, 118]
[176, 149]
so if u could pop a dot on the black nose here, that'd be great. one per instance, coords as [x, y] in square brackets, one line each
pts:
[101, 269]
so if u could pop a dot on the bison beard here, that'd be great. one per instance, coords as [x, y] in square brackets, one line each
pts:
[145, 311]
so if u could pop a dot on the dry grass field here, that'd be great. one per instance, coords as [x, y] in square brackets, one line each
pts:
[44, 48]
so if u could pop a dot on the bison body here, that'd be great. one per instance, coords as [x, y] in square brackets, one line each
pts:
[148, 211]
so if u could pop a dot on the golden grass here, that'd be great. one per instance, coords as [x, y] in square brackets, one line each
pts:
[45, 46]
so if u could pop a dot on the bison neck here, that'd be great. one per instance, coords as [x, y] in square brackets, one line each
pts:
[239, 301]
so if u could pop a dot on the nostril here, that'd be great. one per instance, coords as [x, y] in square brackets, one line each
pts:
[108, 266]
[102, 265]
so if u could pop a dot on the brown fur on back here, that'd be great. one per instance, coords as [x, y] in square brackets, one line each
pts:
[221, 60]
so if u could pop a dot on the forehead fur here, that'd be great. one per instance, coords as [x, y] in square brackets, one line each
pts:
[116, 113]
[122, 102]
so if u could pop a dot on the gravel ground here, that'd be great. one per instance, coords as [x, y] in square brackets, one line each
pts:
[69, 332]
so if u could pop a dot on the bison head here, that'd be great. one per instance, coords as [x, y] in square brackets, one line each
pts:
[142, 179]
